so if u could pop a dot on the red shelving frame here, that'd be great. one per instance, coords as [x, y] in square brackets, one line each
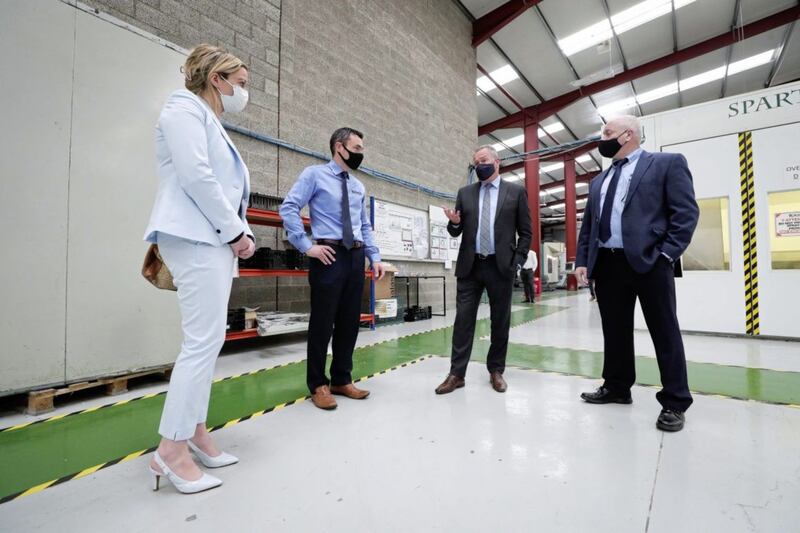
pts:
[273, 219]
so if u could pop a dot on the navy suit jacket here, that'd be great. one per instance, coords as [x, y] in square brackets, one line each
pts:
[660, 213]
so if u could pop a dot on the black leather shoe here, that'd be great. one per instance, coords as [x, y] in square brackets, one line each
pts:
[603, 395]
[670, 420]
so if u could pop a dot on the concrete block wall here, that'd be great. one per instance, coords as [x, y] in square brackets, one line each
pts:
[401, 72]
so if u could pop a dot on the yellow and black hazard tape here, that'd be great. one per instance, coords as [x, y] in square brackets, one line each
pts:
[749, 244]
[131, 400]
[91, 470]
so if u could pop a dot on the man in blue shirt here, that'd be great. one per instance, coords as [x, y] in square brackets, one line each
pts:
[343, 236]
[638, 221]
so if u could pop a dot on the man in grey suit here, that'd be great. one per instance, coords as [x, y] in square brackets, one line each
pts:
[492, 216]
[639, 220]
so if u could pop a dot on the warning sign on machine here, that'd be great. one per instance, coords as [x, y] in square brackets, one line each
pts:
[787, 224]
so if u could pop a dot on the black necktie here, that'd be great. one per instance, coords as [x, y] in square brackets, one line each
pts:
[608, 205]
[347, 224]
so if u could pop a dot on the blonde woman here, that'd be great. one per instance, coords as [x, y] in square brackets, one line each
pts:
[199, 224]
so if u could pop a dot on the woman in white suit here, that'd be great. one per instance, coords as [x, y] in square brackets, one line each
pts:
[199, 223]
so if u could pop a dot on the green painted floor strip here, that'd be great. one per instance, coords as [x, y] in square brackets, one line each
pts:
[772, 386]
[40, 453]
[64, 446]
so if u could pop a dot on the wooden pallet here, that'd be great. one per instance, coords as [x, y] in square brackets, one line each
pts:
[43, 401]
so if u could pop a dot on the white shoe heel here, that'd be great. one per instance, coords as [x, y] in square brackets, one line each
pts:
[223, 459]
[156, 478]
[184, 486]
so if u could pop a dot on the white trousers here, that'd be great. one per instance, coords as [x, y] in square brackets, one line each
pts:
[203, 275]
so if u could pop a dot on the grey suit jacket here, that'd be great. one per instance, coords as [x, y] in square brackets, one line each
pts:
[512, 227]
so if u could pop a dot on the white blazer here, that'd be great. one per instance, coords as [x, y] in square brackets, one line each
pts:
[204, 185]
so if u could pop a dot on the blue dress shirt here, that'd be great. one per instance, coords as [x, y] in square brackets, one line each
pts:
[615, 241]
[492, 189]
[320, 187]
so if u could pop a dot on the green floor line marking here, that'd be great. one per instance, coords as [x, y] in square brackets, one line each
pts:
[130, 456]
[763, 385]
[40, 455]
[41, 452]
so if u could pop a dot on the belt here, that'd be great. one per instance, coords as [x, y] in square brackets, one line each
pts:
[484, 257]
[335, 242]
[612, 250]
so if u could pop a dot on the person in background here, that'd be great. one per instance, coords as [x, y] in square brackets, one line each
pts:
[198, 222]
[492, 216]
[343, 236]
[639, 219]
[592, 295]
[526, 275]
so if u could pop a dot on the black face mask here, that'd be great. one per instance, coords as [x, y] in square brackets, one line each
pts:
[610, 147]
[354, 159]
[484, 171]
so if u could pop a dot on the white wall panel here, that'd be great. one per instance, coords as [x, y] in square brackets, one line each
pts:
[116, 321]
[34, 164]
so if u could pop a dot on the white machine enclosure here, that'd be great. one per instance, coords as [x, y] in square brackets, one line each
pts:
[78, 181]
[707, 134]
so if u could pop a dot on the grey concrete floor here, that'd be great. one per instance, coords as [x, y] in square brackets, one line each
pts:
[533, 459]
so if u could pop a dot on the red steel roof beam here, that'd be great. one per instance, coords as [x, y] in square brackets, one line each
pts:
[554, 105]
[498, 18]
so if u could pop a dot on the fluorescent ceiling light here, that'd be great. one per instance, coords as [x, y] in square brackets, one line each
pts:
[520, 139]
[703, 78]
[750, 62]
[551, 168]
[555, 127]
[688, 83]
[619, 105]
[655, 94]
[581, 184]
[584, 158]
[634, 16]
[502, 76]
[581, 201]
[552, 190]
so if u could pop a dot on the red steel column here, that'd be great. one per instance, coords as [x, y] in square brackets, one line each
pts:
[531, 131]
[570, 217]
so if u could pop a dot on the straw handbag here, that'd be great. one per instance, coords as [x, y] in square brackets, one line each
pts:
[155, 271]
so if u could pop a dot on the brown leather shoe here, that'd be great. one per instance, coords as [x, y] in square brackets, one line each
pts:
[498, 383]
[450, 384]
[322, 398]
[350, 391]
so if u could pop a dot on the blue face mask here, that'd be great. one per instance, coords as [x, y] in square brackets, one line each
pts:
[484, 171]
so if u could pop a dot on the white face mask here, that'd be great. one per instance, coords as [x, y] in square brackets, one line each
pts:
[234, 103]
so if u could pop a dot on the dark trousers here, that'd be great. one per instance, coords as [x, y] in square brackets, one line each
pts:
[617, 286]
[526, 275]
[335, 312]
[484, 275]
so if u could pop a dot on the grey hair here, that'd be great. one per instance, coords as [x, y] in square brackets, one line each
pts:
[489, 148]
[629, 122]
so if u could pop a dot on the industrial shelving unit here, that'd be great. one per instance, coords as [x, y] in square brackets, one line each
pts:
[272, 218]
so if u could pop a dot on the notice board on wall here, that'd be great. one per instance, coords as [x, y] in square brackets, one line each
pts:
[401, 232]
[443, 246]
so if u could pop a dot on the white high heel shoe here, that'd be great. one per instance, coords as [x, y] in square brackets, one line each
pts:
[223, 459]
[183, 485]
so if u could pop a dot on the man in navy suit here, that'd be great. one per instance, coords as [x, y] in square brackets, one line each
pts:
[638, 221]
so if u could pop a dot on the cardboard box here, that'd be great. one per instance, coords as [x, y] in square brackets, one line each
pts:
[386, 308]
[384, 288]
